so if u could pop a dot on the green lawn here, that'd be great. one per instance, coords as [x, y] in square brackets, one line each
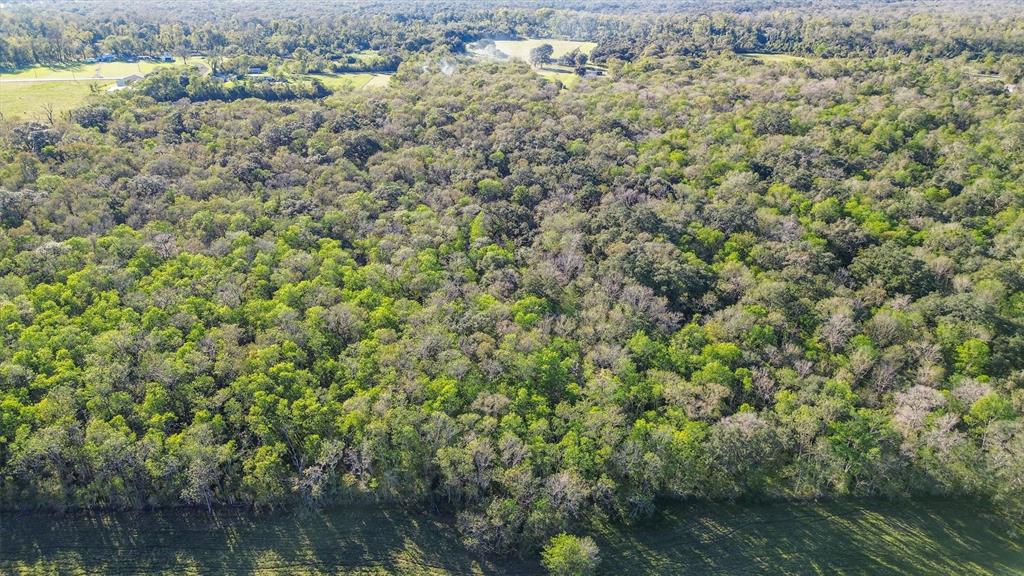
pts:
[567, 77]
[936, 538]
[25, 93]
[835, 538]
[520, 49]
[774, 58]
[27, 100]
[353, 81]
[81, 71]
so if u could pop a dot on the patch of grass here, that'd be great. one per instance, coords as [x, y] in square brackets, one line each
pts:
[25, 93]
[358, 540]
[520, 49]
[568, 79]
[833, 538]
[377, 82]
[27, 100]
[353, 81]
[82, 71]
[769, 58]
[366, 55]
[939, 538]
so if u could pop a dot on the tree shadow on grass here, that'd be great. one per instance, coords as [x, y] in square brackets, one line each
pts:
[846, 537]
[872, 537]
[342, 540]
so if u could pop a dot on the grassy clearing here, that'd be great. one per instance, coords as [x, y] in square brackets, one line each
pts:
[567, 77]
[835, 538]
[520, 49]
[27, 100]
[81, 71]
[366, 55]
[829, 538]
[353, 81]
[25, 93]
[774, 58]
[377, 82]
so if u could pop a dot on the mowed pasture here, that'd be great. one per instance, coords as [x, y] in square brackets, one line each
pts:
[84, 71]
[28, 93]
[938, 538]
[353, 80]
[29, 100]
[520, 49]
[770, 58]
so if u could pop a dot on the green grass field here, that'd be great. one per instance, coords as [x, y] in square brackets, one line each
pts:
[936, 538]
[81, 71]
[520, 50]
[27, 100]
[569, 79]
[834, 538]
[353, 81]
[774, 58]
[25, 93]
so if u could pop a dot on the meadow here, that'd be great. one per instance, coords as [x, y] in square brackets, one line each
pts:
[835, 538]
[353, 81]
[520, 49]
[769, 58]
[28, 92]
[28, 100]
[84, 71]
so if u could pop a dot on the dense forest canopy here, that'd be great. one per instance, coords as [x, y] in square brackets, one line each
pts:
[701, 275]
[65, 31]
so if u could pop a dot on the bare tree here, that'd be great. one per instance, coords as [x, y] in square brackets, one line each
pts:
[48, 110]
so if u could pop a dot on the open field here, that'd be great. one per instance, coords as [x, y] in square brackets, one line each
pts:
[833, 538]
[82, 71]
[568, 78]
[773, 58]
[827, 538]
[26, 92]
[353, 81]
[520, 49]
[27, 100]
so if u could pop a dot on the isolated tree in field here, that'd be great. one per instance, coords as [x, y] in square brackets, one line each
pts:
[580, 63]
[541, 54]
[568, 555]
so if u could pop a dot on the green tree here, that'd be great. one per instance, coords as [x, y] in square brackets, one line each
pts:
[541, 55]
[568, 555]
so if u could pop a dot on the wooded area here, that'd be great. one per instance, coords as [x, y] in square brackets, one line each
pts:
[699, 276]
